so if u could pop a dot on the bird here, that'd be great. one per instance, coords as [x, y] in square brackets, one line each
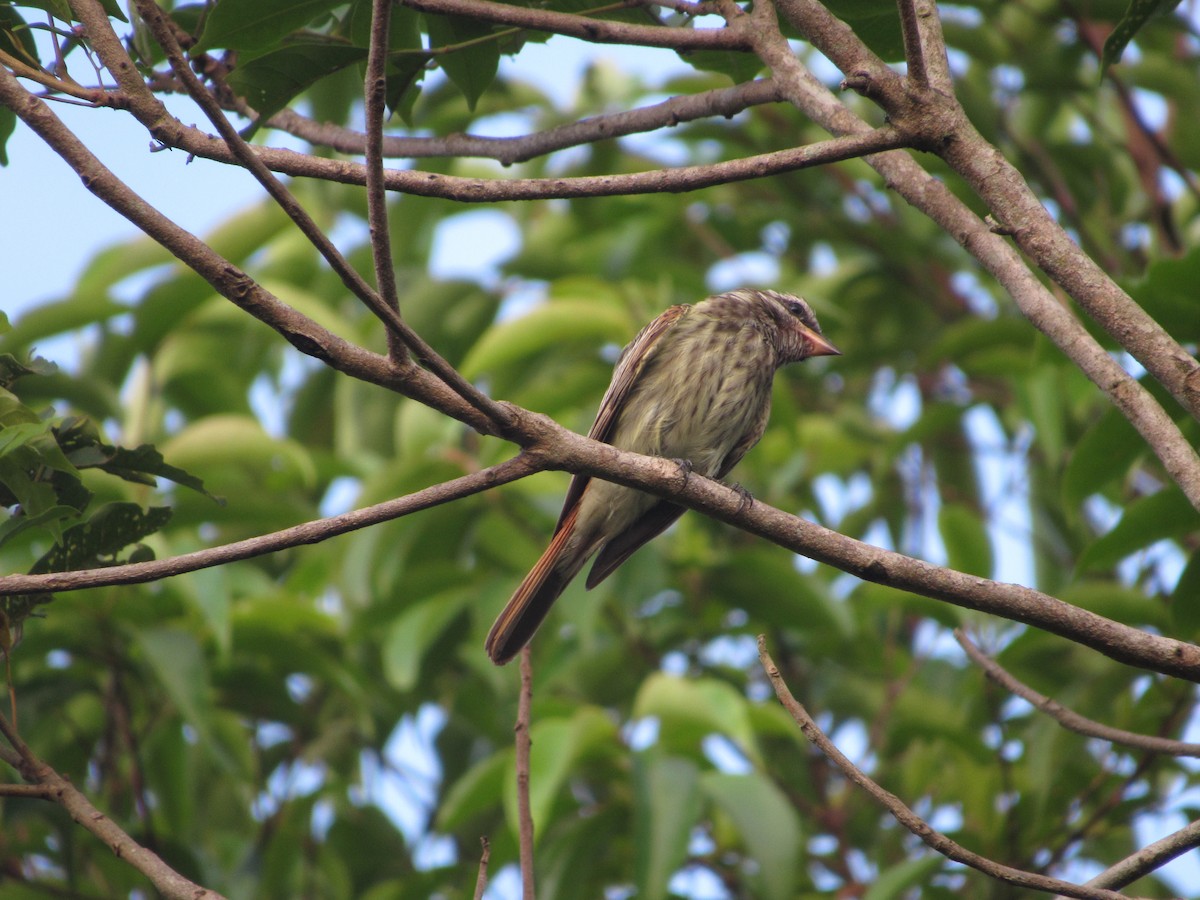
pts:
[694, 385]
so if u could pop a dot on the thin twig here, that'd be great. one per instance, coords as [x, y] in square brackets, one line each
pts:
[1068, 718]
[725, 102]
[374, 100]
[25, 790]
[491, 190]
[585, 28]
[60, 790]
[161, 28]
[905, 816]
[481, 880]
[914, 54]
[308, 533]
[524, 813]
[227, 279]
[1149, 858]
[941, 126]
[931, 196]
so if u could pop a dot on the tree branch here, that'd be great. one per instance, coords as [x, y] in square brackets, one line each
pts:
[904, 815]
[554, 447]
[55, 787]
[36, 791]
[374, 101]
[588, 29]
[931, 196]
[1149, 858]
[489, 190]
[938, 123]
[227, 279]
[481, 879]
[162, 30]
[308, 533]
[724, 102]
[524, 813]
[1068, 718]
[914, 53]
[550, 446]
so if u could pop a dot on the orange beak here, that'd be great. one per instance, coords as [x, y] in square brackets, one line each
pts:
[815, 344]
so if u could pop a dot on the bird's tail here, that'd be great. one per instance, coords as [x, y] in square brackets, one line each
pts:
[536, 594]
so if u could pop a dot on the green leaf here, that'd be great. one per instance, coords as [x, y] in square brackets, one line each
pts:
[1167, 292]
[254, 26]
[472, 66]
[476, 792]
[97, 541]
[1185, 599]
[690, 709]
[666, 805]
[60, 9]
[1117, 602]
[1137, 14]
[896, 881]
[1164, 514]
[412, 635]
[556, 747]
[16, 41]
[176, 660]
[270, 81]
[81, 444]
[739, 67]
[875, 22]
[12, 368]
[407, 62]
[14, 437]
[768, 825]
[968, 546]
[1102, 456]
[549, 325]
[61, 316]
[52, 519]
[765, 583]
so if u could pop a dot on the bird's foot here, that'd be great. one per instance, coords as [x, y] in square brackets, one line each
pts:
[745, 498]
[685, 470]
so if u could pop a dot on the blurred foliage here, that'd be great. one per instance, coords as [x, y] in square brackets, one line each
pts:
[323, 722]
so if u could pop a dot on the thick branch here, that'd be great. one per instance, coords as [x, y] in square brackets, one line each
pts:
[550, 446]
[903, 814]
[1068, 718]
[555, 447]
[594, 30]
[307, 533]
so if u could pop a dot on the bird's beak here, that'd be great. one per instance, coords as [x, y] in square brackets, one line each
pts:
[816, 345]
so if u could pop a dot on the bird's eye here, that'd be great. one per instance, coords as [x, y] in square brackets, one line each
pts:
[800, 310]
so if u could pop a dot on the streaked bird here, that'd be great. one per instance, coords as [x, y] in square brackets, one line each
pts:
[695, 385]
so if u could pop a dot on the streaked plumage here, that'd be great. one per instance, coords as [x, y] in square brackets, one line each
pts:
[694, 384]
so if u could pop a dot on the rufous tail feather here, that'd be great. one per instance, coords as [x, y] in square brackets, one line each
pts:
[523, 614]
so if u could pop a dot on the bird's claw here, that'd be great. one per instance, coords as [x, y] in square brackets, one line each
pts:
[745, 498]
[685, 470]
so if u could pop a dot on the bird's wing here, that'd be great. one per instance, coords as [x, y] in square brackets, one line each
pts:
[653, 522]
[632, 361]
